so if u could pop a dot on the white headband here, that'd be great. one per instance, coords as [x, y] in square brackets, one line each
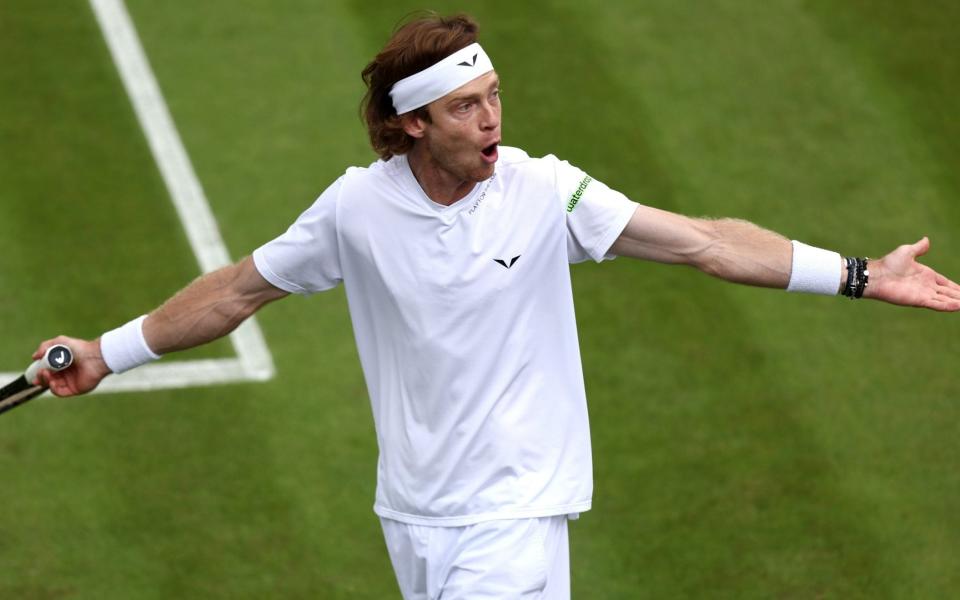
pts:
[440, 79]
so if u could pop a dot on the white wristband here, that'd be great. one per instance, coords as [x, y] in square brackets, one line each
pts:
[125, 347]
[815, 271]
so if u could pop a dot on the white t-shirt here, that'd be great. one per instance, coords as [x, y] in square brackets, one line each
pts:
[464, 323]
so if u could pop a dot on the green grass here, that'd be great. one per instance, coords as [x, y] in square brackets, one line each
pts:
[747, 443]
[82, 200]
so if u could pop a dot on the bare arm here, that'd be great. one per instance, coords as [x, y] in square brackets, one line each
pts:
[729, 249]
[209, 308]
[742, 252]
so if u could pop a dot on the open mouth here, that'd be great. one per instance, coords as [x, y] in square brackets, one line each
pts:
[490, 152]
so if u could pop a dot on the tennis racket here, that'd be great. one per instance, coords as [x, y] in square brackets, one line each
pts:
[22, 389]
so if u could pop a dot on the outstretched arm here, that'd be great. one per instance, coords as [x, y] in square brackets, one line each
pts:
[742, 252]
[209, 308]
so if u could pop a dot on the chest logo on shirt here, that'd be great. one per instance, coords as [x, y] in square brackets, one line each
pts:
[504, 263]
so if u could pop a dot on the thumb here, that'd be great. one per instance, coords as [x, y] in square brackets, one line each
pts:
[41, 349]
[921, 247]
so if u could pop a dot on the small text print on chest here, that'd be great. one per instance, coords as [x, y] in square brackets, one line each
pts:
[482, 196]
[506, 264]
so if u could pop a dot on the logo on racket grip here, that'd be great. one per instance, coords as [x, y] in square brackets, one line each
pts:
[59, 357]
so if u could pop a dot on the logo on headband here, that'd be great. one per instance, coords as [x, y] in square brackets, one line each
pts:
[439, 79]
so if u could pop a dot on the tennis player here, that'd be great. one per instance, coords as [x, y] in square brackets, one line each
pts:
[454, 251]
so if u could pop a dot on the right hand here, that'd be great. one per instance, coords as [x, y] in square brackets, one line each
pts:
[85, 374]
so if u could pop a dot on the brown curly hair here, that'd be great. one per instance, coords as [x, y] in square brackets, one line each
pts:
[414, 46]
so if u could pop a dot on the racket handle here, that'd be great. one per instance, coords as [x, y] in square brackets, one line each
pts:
[57, 358]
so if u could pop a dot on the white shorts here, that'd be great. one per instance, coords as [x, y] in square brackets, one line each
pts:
[521, 558]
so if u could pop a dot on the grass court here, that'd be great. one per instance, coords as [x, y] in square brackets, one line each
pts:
[747, 443]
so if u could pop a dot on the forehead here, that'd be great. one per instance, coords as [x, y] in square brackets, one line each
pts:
[475, 87]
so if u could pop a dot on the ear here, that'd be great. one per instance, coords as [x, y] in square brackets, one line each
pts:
[413, 125]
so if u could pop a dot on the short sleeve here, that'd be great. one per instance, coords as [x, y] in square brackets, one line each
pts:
[595, 214]
[306, 258]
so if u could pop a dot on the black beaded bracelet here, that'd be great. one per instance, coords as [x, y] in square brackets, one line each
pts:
[863, 277]
[851, 277]
[858, 277]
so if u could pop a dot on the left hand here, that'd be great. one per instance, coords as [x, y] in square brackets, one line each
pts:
[898, 278]
[86, 373]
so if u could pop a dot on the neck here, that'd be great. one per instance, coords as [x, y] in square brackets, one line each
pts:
[439, 184]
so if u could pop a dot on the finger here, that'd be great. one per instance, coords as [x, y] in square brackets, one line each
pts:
[44, 345]
[941, 280]
[948, 292]
[952, 306]
[921, 247]
[68, 383]
[60, 386]
[943, 305]
[41, 349]
[42, 378]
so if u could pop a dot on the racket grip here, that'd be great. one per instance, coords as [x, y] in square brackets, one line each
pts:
[57, 358]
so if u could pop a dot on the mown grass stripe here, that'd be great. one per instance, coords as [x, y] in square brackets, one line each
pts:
[748, 443]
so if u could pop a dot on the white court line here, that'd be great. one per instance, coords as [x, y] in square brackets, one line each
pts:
[253, 362]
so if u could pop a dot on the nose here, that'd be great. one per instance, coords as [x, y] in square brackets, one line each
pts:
[490, 116]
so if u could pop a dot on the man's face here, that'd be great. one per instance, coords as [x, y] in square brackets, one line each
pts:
[464, 133]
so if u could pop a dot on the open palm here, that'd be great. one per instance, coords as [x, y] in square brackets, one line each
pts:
[898, 278]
